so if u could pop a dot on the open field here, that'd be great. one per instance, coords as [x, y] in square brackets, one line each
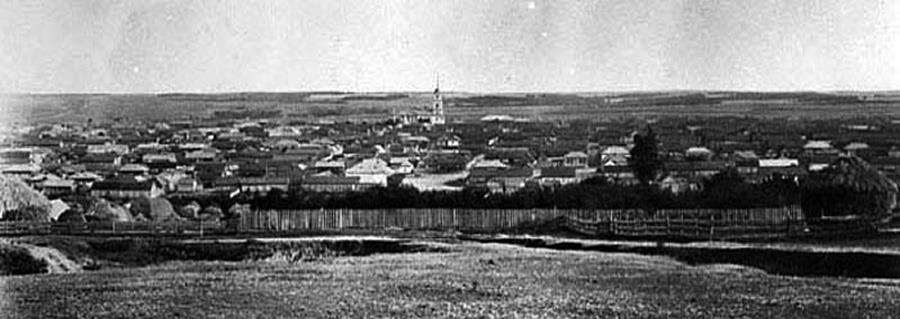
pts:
[469, 280]
[338, 106]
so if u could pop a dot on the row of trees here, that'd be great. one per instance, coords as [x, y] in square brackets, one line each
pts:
[726, 190]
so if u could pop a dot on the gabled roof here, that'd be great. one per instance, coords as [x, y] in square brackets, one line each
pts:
[578, 154]
[370, 166]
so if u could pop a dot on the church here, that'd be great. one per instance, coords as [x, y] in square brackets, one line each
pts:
[432, 116]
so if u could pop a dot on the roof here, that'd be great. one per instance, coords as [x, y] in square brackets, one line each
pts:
[165, 157]
[746, 155]
[778, 162]
[330, 180]
[122, 183]
[270, 180]
[698, 149]
[330, 164]
[615, 150]
[58, 183]
[817, 145]
[856, 146]
[489, 164]
[134, 168]
[558, 172]
[370, 166]
[506, 173]
[576, 154]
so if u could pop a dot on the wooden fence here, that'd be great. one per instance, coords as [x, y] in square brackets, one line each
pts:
[474, 220]
[690, 223]
[687, 223]
[113, 228]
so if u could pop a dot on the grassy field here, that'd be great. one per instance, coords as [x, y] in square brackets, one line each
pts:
[472, 280]
[54, 108]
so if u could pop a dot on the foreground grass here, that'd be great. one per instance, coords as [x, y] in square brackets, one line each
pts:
[471, 281]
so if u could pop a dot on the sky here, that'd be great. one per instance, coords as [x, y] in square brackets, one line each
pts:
[147, 46]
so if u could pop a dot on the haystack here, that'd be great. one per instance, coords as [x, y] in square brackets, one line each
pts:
[103, 210]
[154, 209]
[211, 212]
[16, 196]
[191, 210]
[72, 216]
[848, 189]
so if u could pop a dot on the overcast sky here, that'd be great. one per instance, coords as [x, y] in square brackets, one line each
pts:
[476, 45]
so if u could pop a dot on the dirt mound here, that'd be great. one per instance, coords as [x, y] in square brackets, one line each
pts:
[23, 259]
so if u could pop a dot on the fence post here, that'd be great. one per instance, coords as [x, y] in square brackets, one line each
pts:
[712, 225]
[612, 222]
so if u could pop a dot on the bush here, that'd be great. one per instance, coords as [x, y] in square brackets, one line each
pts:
[18, 261]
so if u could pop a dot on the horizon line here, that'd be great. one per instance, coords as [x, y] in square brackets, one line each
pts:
[326, 91]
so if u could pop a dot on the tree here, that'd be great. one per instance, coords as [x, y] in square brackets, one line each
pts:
[848, 187]
[645, 161]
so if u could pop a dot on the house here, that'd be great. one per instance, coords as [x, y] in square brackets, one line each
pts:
[23, 170]
[555, 176]
[263, 185]
[575, 159]
[678, 185]
[332, 183]
[747, 162]
[401, 165]
[127, 187]
[335, 166]
[785, 167]
[819, 148]
[55, 186]
[108, 148]
[85, 179]
[371, 171]
[500, 181]
[619, 174]
[444, 162]
[300, 153]
[512, 156]
[134, 170]
[188, 185]
[614, 156]
[15, 156]
[698, 153]
[205, 155]
[448, 142]
[855, 148]
[695, 169]
[159, 161]
[507, 181]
